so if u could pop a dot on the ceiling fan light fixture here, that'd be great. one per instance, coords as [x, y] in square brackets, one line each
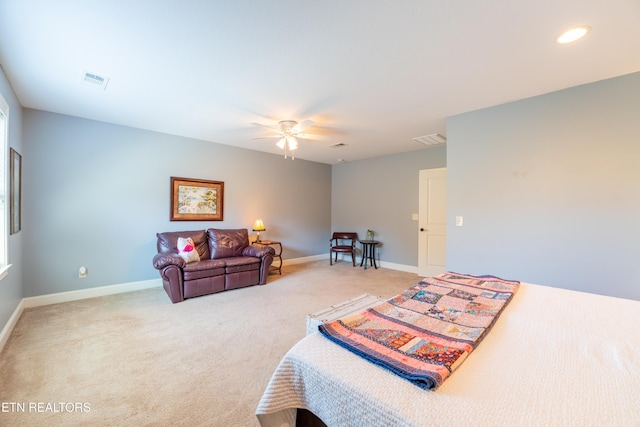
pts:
[292, 143]
[288, 131]
[286, 126]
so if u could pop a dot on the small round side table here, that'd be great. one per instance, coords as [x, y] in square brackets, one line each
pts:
[368, 252]
[277, 246]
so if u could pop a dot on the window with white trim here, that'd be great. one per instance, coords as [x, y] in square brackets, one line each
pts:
[4, 191]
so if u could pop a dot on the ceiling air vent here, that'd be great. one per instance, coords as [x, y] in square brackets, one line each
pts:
[433, 139]
[338, 145]
[95, 80]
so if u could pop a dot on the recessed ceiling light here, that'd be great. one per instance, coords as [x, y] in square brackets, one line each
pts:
[573, 34]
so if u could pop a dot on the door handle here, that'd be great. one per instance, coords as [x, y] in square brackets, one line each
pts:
[422, 229]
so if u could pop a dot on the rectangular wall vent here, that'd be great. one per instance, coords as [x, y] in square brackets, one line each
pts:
[338, 145]
[433, 139]
[95, 80]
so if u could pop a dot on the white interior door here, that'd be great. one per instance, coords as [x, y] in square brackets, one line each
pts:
[432, 240]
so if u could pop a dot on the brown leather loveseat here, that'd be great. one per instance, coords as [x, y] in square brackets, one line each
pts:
[227, 261]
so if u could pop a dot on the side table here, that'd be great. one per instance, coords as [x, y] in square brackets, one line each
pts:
[277, 257]
[368, 252]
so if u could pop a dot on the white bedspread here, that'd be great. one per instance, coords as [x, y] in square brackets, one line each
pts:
[555, 357]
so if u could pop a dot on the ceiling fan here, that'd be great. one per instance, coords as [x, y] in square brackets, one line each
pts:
[289, 131]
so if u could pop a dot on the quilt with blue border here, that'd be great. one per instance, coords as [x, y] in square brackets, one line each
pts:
[424, 333]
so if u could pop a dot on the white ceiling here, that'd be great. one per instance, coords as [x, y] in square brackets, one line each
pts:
[372, 74]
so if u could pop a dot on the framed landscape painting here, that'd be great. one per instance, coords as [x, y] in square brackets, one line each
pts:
[196, 200]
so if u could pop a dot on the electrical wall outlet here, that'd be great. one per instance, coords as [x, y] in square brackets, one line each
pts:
[82, 272]
[459, 221]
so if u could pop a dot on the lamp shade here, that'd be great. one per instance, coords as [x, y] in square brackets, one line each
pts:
[259, 225]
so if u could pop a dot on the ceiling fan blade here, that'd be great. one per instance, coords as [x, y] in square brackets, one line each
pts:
[300, 127]
[310, 136]
[266, 126]
[267, 137]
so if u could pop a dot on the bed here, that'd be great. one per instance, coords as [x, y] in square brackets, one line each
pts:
[554, 357]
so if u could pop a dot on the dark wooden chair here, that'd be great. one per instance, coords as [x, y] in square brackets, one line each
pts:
[344, 243]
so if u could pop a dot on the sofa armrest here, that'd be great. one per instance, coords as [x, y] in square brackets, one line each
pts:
[165, 259]
[258, 251]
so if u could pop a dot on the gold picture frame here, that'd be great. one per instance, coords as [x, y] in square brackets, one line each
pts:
[15, 191]
[196, 200]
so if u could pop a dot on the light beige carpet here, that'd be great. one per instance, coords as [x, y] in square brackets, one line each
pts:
[136, 359]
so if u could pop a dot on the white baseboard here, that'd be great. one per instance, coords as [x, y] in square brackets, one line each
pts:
[89, 293]
[11, 323]
[302, 260]
[383, 264]
[399, 267]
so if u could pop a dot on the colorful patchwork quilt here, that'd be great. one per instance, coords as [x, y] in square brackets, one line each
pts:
[424, 333]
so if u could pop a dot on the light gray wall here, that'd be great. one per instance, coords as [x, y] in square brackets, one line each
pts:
[11, 285]
[381, 194]
[549, 188]
[96, 194]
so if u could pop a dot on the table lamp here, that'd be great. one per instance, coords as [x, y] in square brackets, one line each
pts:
[258, 226]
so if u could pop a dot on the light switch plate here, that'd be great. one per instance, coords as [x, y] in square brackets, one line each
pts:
[459, 221]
